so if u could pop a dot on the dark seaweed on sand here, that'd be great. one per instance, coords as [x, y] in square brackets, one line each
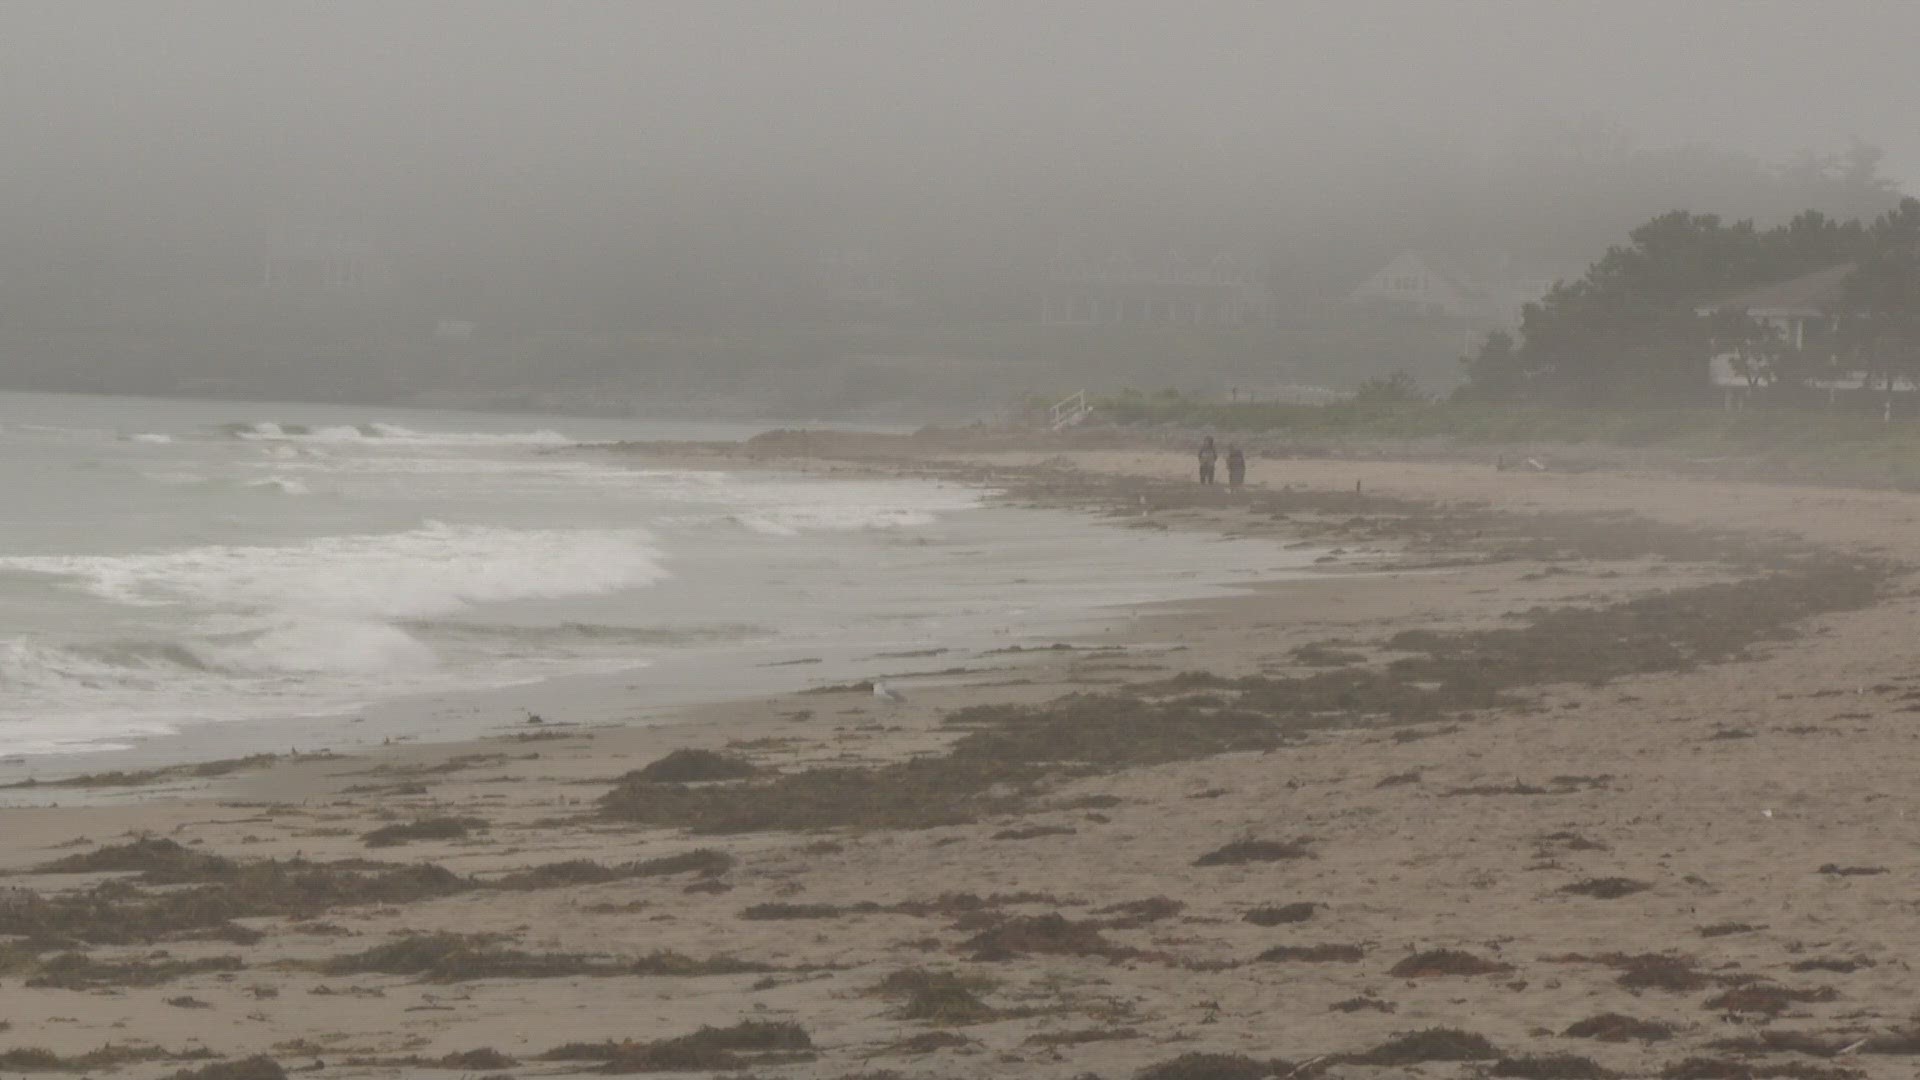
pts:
[1007, 754]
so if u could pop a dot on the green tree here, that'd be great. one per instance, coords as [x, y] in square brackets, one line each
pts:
[1758, 350]
[1883, 293]
[1630, 329]
[1498, 369]
[1398, 388]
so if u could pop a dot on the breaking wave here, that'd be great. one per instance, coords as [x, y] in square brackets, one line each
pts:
[334, 603]
[387, 434]
[134, 665]
[285, 485]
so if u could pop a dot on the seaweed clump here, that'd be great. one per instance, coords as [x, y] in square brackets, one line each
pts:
[1314, 954]
[708, 1049]
[1202, 1066]
[118, 913]
[1250, 851]
[29, 1059]
[1615, 1027]
[433, 828]
[1431, 1044]
[1280, 914]
[938, 996]
[693, 766]
[776, 911]
[1607, 888]
[1051, 935]
[258, 1067]
[995, 767]
[1767, 998]
[157, 859]
[449, 958]
[1550, 1067]
[78, 971]
[703, 861]
[1438, 962]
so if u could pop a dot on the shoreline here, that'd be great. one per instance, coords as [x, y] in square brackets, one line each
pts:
[1396, 837]
[668, 683]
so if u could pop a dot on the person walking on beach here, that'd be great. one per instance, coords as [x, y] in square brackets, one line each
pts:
[1208, 455]
[1236, 467]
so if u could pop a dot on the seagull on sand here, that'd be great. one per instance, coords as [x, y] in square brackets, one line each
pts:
[883, 692]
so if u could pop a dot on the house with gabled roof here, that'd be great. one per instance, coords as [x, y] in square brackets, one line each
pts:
[1809, 303]
[1416, 283]
[1489, 289]
[1805, 314]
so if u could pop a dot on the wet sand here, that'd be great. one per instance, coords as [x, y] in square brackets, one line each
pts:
[1737, 835]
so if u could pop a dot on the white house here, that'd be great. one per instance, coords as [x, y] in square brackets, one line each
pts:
[1810, 303]
[1487, 289]
[1805, 312]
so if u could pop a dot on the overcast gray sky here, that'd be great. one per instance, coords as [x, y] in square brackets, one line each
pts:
[196, 111]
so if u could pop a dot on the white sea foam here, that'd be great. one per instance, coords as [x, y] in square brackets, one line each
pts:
[177, 584]
[431, 570]
[330, 645]
[96, 697]
[767, 505]
[30, 665]
[328, 604]
[67, 431]
[312, 459]
[783, 507]
[71, 731]
[285, 485]
[390, 434]
[178, 478]
[793, 520]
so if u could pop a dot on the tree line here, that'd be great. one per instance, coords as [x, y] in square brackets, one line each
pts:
[1642, 323]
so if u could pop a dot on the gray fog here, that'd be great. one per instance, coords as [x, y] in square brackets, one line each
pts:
[485, 176]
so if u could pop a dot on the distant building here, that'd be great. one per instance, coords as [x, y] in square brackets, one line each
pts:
[1806, 313]
[1172, 290]
[1809, 305]
[1489, 288]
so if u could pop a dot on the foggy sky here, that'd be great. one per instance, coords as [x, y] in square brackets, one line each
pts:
[562, 122]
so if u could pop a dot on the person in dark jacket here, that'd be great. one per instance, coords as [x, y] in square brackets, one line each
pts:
[1236, 467]
[1208, 455]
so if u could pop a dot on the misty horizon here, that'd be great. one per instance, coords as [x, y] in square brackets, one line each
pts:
[189, 119]
[605, 167]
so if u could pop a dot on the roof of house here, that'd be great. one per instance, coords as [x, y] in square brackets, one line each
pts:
[1479, 275]
[1471, 282]
[1819, 293]
[1446, 271]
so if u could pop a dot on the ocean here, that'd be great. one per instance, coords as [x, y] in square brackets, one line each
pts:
[168, 566]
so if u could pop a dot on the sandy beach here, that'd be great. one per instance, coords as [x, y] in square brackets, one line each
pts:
[1544, 774]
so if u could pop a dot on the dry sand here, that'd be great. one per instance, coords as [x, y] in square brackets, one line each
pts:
[1724, 790]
